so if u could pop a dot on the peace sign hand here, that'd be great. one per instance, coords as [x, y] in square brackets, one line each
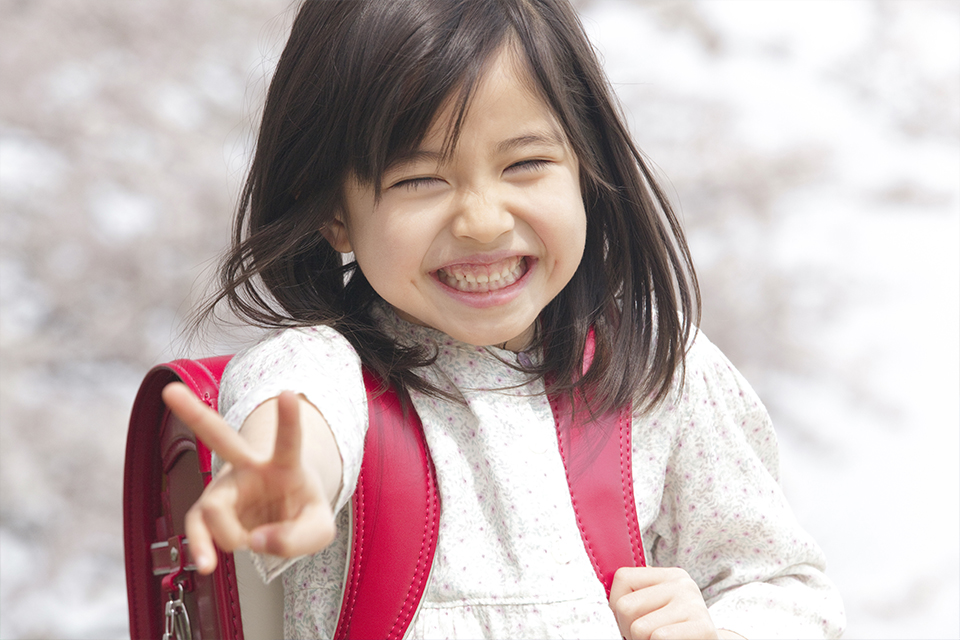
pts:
[274, 504]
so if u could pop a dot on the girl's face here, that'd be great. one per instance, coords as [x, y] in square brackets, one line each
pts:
[478, 244]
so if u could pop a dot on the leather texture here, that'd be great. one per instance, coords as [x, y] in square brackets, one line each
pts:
[396, 519]
[597, 459]
[162, 454]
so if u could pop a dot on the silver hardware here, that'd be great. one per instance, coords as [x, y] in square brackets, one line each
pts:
[165, 556]
[176, 623]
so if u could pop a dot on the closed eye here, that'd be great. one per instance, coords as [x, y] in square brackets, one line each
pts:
[529, 165]
[412, 184]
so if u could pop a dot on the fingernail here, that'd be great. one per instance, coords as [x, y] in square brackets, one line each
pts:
[203, 562]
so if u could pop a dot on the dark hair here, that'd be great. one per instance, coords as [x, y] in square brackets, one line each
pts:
[358, 84]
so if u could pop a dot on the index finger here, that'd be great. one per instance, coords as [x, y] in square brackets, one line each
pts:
[207, 425]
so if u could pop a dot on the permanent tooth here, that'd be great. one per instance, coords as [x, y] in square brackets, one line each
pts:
[506, 275]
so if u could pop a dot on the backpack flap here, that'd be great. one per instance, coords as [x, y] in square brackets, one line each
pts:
[165, 470]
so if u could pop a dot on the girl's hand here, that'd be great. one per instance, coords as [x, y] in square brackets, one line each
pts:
[659, 603]
[275, 505]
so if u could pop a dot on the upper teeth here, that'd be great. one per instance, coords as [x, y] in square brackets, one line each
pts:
[508, 271]
[505, 269]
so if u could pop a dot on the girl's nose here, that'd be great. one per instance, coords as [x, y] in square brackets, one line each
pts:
[481, 218]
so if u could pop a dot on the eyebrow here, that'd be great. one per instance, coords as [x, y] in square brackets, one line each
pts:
[549, 138]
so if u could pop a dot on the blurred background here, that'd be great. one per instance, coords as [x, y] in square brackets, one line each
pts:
[811, 148]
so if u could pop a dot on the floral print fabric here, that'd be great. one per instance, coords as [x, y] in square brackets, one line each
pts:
[509, 560]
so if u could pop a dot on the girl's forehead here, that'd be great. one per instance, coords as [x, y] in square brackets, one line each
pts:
[505, 80]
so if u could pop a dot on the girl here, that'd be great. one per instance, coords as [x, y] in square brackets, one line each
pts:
[469, 155]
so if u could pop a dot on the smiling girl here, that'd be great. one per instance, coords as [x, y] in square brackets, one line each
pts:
[509, 245]
[475, 243]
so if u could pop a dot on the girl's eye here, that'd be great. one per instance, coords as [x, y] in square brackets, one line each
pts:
[529, 165]
[412, 184]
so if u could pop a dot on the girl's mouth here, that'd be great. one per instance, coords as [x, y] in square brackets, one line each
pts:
[483, 278]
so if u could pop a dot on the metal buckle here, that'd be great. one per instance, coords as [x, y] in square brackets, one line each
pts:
[176, 622]
[167, 555]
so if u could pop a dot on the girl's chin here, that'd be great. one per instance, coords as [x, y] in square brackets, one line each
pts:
[498, 339]
[494, 336]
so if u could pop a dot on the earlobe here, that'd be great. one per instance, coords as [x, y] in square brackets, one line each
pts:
[336, 234]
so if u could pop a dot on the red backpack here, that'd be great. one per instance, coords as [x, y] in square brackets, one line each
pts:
[395, 522]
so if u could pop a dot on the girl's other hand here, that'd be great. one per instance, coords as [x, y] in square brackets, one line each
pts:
[660, 603]
[269, 504]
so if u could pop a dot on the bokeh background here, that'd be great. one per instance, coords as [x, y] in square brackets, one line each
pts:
[812, 148]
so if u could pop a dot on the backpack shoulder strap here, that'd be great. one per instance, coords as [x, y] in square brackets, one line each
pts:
[165, 469]
[396, 518]
[597, 460]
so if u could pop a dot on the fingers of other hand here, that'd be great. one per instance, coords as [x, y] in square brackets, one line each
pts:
[672, 621]
[207, 424]
[286, 450]
[654, 602]
[628, 579]
[684, 631]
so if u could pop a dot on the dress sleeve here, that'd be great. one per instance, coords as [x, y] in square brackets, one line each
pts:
[722, 515]
[320, 364]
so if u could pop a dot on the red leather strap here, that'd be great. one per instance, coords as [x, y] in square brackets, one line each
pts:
[597, 458]
[396, 518]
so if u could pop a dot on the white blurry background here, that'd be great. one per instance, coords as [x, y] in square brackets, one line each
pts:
[812, 148]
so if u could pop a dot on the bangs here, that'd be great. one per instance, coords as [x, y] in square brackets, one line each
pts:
[421, 58]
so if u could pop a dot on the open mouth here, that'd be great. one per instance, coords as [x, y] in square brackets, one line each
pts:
[483, 278]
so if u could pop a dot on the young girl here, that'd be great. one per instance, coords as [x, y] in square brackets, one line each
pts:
[468, 153]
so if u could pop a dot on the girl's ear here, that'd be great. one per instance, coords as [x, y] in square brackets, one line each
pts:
[336, 234]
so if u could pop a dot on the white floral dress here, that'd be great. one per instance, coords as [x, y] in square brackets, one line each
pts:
[510, 562]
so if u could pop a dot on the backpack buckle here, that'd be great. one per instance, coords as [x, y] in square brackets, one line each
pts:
[172, 555]
[176, 620]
